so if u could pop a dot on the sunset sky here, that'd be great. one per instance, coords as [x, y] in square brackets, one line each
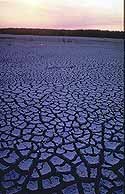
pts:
[62, 14]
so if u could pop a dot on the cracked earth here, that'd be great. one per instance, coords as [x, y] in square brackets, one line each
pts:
[61, 116]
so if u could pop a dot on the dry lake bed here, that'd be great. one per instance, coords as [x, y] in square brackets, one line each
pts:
[61, 115]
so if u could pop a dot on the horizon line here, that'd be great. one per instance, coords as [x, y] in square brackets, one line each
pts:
[66, 29]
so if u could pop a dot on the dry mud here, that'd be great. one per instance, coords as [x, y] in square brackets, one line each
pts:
[61, 115]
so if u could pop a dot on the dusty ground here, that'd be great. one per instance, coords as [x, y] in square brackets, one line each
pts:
[61, 115]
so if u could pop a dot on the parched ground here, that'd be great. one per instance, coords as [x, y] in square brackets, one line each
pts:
[61, 115]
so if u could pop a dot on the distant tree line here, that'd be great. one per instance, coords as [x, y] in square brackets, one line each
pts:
[55, 32]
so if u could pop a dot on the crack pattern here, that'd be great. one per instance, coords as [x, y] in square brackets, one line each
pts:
[61, 117]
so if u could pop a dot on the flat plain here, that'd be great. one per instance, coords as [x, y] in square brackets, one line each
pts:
[61, 115]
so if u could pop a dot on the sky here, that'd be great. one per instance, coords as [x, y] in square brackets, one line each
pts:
[62, 14]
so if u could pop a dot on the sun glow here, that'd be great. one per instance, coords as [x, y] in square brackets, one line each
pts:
[31, 2]
[71, 14]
